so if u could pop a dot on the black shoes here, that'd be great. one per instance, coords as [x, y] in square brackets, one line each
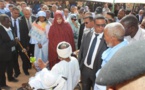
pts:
[26, 73]
[12, 80]
[6, 87]
[16, 75]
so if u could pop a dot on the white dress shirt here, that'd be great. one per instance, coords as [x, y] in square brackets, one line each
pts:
[95, 50]
[29, 23]
[140, 35]
[18, 28]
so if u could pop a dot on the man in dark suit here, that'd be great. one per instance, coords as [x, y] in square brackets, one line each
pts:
[54, 8]
[25, 26]
[16, 27]
[7, 51]
[10, 8]
[92, 47]
[88, 18]
[140, 16]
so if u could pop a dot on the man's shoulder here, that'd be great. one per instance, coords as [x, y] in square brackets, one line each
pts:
[88, 32]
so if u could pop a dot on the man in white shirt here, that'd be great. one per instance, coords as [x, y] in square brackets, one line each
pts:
[132, 30]
[64, 75]
[92, 47]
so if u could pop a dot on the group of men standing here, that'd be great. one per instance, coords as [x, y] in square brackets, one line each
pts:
[99, 43]
[14, 31]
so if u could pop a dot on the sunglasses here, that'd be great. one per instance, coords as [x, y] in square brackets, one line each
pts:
[101, 25]
[74, 19]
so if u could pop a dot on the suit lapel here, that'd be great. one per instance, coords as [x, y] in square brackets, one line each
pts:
[5, 34]
[101, 44]
[88, 39]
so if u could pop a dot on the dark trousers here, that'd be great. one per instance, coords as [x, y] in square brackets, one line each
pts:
[31, 50]
[25, 60]
[13, 64]
[88, 78]
[3, 66]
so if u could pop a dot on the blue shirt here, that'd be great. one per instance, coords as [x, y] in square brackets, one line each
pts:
[107, 54]
[2, 11]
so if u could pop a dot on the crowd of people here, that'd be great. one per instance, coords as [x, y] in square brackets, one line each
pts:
[72, 45]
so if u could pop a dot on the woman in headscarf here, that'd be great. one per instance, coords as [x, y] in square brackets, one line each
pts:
[59, 31]
[39, 37]
[75, 25]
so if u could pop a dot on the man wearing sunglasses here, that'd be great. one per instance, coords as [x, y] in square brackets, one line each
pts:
[92, 47]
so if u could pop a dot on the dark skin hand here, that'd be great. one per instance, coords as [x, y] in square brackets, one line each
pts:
[39, 45]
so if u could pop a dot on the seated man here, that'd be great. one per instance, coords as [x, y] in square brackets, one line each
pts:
[64, 75]
[126, 69]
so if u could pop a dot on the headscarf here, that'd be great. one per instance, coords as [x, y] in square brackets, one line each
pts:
[58, 14]
[58, 33]
[41, 13]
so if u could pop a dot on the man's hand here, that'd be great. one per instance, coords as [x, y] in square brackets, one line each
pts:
[41, 64]
[17, 39]
[24, 50]
[76, 52]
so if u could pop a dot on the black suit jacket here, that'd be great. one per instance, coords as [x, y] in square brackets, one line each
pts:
[81, 31]
[52, 15]
[138, 18]
[5, 45]
[84, 49]
[8, 13]
[24, 31]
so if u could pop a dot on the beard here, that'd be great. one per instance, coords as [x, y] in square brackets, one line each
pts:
[109, 45]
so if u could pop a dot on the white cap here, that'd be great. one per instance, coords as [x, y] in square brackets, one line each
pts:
[41, 13]
[64, 53]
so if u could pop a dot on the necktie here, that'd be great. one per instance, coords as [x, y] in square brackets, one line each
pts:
[28, 24]
[15, 27]
[92, 50]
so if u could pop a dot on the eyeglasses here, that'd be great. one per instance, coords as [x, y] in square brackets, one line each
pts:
[100, 25]
[86, 22]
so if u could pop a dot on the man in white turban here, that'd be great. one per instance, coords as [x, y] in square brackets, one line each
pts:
[64, 75]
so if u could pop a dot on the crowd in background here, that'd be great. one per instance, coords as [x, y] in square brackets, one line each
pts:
[39, 28]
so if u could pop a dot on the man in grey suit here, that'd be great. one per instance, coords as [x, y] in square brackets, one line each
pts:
[92, 47]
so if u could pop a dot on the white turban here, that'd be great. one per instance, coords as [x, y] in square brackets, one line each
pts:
[41, 13]
[66, 52]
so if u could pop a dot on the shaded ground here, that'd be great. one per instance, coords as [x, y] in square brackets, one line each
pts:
[22, 78]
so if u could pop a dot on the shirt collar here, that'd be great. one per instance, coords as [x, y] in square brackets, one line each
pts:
[13, 19]
[137, 35]
[7, 29]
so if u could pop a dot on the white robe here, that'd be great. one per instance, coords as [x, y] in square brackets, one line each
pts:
[46, 79]
[41, 52]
